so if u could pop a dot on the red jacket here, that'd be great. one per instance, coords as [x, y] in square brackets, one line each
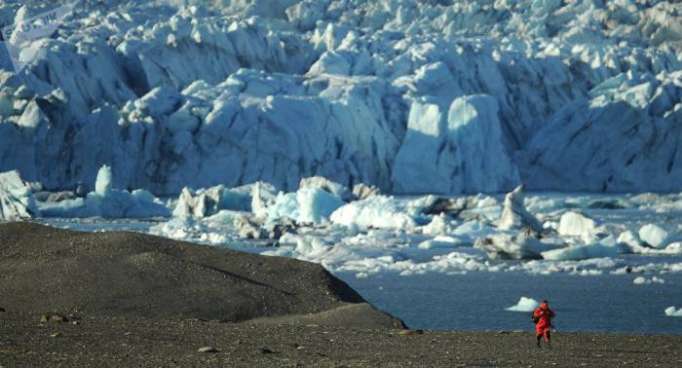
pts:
[543, 315]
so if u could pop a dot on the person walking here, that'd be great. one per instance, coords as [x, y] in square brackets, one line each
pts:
[542, 316]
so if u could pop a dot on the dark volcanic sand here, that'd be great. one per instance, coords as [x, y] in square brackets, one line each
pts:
[147, 343]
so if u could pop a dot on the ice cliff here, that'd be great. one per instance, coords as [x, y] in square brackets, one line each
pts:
[409, 95]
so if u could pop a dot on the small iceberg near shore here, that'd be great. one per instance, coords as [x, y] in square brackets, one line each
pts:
[525, 305]
[673, 312]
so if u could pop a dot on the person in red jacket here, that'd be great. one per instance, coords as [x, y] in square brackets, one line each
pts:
[542, 316]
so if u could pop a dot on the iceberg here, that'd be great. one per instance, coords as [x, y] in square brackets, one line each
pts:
[313, 203]
[108, 202]
[263, 196]
[631, 240]
[653, 235]
[576, 224]
[374, 212]
[514, 213]
[673, 312]
[207, 202]
[336, 189]
[641, 280]
[316, 205]
[441, 241]
[508, 246]
[525, 305]
[579, 252]
[16, 198]
[439, 225]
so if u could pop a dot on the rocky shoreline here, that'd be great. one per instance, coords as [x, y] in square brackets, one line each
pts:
[121, 342]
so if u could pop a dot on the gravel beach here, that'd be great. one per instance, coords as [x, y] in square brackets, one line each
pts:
[113, 342]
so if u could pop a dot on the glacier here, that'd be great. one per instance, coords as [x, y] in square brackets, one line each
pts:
[410, 96]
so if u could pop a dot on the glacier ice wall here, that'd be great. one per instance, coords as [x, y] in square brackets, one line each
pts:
[409, 95]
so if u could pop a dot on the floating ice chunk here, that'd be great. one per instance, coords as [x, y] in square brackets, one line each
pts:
[611, 241]
[550, 225]
[673, 312]
[525, 305]
[653, 235]
[508, 246]
[284, 206]
[218, 229]
[122, 204]
[16, 198]
[103, 182]
[673, 248]
[641, 280]
[579, 252]
[440, 242]
[631, 240]
[318, 182]
[378, 211]
[473, 230]
[307, 205]
[316, 205]
[108, 202]
[514, 214]
[66, 208]
[207, 202]
[246, 228]
[263, 195]
[578, 225]
[362, 191]
[439, 225]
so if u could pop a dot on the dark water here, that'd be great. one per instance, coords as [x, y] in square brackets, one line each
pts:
[476, 301]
